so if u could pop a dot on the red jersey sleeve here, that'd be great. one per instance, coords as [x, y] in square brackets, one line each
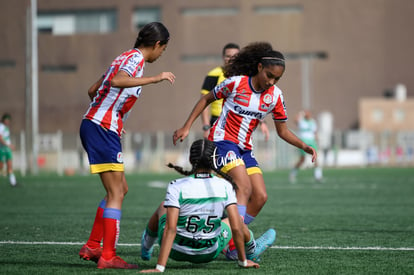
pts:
[279, 112]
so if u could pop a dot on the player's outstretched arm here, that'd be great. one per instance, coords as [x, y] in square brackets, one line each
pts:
[287, 135]
[167, 240]
[202, 103]
[236, 225]
[123, 80]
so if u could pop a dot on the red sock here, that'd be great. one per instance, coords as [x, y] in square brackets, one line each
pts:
[110, 238]
[232, 246]
[96, 235]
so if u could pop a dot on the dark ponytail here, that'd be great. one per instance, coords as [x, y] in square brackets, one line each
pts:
[151, 33]
[202, 156]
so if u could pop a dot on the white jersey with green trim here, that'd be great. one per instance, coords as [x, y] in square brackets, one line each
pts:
[201, 198]
[307, 129]
[5, 134]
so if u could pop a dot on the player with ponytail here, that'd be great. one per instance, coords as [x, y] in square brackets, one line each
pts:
[189, 224]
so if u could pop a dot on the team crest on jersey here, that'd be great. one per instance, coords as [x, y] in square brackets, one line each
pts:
[268, 99]
[119, 157]
[225, 233]
[265, 102]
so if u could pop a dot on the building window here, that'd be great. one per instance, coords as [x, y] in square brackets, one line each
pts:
[399, 115]
[77, 22]
[5, 63]
[143, 16]
[209, 11]
[66, 68]
[277, 9]
[377, 115]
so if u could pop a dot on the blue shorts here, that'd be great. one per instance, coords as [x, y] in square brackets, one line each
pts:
[229, 155]
[103, 147]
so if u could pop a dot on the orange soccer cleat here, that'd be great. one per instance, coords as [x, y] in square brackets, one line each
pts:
[90, 254]
[115, 262]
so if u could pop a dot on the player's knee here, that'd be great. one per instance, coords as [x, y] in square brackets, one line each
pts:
[126, 189]
[261, 198]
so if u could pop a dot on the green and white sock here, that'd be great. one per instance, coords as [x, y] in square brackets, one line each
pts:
[251, 244]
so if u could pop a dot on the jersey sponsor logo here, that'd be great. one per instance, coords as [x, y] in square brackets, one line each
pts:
[230, 157]
[241, 111]
[119, 157]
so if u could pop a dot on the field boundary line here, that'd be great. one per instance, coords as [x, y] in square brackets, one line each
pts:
[378, 248]
[344, 248]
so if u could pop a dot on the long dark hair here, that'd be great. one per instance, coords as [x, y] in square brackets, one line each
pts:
[202, 156]
[246, 62]
[151, 33]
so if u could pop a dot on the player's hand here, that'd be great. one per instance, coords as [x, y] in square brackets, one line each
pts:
[312, 152]
[251, 264]
[180, 134]
[149, 271]
[167, 76]
[123, 132]
[265, 130]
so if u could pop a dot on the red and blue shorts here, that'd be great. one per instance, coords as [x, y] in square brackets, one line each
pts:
[229, 155]
[103, 147]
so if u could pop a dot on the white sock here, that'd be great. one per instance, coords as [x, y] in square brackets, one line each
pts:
[12, 179]
[318, 173]
[148, 240]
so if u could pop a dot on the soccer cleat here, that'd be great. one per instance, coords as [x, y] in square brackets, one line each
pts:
[115, 262]
[145, 252]
[90, 254]
[231, 251]
[262, 243]
[231, 254]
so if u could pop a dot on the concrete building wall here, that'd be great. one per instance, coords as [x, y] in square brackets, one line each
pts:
[368, 45]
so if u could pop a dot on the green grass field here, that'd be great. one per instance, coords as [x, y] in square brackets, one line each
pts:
[359, 221]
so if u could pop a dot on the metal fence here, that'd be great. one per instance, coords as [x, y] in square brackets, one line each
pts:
[150, 152]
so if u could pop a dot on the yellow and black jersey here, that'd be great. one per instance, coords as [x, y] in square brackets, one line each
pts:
[214, 77]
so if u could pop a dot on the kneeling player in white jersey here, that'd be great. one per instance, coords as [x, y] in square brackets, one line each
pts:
[189, 222]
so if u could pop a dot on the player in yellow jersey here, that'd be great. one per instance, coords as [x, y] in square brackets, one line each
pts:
[213, 78]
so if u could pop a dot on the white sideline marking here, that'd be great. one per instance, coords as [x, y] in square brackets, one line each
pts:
[344, 248]
[274, 247]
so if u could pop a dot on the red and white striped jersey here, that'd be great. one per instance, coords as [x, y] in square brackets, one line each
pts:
[111, 105]
[243, 109]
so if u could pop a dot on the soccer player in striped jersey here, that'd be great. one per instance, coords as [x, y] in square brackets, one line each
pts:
[249, 93]
[113, 96]
[213, 78]
[189, 222]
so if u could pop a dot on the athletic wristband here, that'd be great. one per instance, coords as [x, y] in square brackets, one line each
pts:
[206, 127]
[242, 263]
[161, 268]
